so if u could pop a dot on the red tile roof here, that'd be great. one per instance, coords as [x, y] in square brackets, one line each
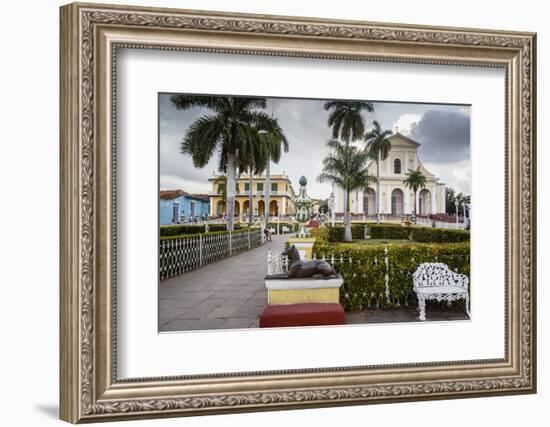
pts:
[203, 197]
[172, 194]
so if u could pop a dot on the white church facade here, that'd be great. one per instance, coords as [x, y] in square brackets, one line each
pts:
[396, 199]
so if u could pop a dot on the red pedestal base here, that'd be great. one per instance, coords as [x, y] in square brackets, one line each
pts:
[310, 314]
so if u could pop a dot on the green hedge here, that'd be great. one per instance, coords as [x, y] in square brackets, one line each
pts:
[178, 230]
[223, 227]
[189, 236]
[183, 230]
[439, 235]
[364, 284]
[336, 233]
[389, 231]
[320, 233]
[398, 232]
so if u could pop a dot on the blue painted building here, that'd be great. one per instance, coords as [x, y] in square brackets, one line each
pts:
[178, 207]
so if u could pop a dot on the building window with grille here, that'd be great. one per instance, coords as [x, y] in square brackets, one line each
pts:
[274, 187]
[247, 186]
[397, 166]
[260, 186]
[176, 212]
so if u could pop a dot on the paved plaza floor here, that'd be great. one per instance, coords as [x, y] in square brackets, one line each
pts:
[227, 294]
[231, 294]
[435, 311]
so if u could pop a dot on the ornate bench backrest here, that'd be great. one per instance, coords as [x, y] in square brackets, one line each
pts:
[437, 274]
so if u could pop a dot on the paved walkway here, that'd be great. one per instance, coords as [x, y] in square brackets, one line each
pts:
[435, 311]
[231, 294]
[227, 294]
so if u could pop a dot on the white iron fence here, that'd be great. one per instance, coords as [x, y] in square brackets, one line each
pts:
[443, 224]
[383, 280]
[177, 256]
[278, 264]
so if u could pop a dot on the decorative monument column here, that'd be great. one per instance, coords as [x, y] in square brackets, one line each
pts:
[302, 241]
[302, 203]
[308, 294]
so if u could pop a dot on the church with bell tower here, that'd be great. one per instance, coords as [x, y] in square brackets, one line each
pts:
[395, 198]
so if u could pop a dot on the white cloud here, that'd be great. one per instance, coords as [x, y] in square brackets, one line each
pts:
[173, 182]
[405, 123]
[305, 124]
[456, 175]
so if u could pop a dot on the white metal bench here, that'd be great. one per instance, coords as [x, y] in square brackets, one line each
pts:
[285, 229]
[435, 281]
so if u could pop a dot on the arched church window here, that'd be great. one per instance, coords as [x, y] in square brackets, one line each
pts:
[397, 166]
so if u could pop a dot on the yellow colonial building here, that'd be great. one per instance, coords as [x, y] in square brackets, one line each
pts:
[281, 196]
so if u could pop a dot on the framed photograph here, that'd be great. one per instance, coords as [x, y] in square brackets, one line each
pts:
[266, 212]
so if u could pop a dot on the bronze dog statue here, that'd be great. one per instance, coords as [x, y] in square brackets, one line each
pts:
[299, 269]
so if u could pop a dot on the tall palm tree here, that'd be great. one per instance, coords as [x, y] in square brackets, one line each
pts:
[253, 165]
[378, 148]
[346, 119]
[227, 130]
[269, 141]
[346, 166]
[274, 143]
[415, 181]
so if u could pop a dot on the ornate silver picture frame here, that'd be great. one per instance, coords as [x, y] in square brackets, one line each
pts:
[91, 34]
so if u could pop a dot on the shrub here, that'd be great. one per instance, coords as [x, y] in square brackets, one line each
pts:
[389, 231]
[399, 232]
[210, 233]
[439, 235]
[222, 227]
[320, 233]
[180, 230]
[336, 233]
[184, 230]
[190, 236]
[364, 270]
[358, 231]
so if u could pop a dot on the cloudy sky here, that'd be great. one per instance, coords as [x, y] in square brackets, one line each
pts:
[443, 131]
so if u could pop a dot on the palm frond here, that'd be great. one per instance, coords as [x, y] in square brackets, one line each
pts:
[346, 166]
[346, 120]
[185, 102]
[201, 139]
[377, 142]
[415, 179]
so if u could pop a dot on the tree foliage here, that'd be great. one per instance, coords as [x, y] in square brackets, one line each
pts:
[378, 142]
[378, 148]
[346, 119]
[346, 166]
[230, 129]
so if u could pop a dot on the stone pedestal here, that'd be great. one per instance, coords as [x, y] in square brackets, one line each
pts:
[296, 291]
[302, 302]
[316, 314]
[304, 246]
